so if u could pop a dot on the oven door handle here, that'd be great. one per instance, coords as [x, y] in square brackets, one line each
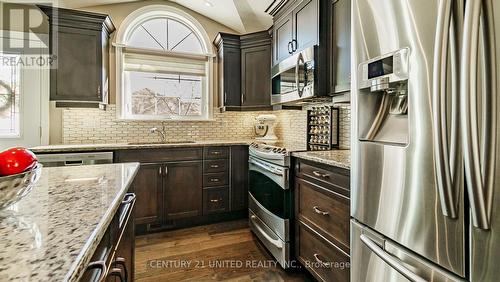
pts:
[276, 242]
[266, 168]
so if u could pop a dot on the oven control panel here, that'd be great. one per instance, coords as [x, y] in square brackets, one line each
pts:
[264, 148]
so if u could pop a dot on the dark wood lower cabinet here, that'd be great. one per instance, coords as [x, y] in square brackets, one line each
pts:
[239, 178]
[148, 186]
[114, 258]
[326, 261]
[125, 251]
[215, 200]
[183, 189]
[322, 216]
[178, 186]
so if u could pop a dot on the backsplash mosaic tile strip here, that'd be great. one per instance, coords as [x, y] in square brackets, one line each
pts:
[93, 126]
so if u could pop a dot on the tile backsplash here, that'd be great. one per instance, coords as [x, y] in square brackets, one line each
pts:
[81, 126]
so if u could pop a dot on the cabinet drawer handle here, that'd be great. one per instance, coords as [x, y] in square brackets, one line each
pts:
[214, 166]
[216, 152]
[102, 266]
[319, 174]
[324, 264]
[122, 261]
[319, 211]
[215, 200]
[118, 273]
[214, 180]
[129, 198]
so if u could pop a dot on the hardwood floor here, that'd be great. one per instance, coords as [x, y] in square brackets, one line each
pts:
[225, 251]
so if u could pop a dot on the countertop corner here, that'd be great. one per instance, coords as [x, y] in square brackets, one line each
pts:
[52, 233]
[337, 158]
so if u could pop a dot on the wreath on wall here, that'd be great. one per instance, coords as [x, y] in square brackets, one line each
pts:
[7, 100]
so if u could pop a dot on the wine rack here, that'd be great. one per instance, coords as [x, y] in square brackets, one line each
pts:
[321, 134]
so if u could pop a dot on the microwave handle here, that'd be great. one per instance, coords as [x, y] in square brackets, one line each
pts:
[300, 59]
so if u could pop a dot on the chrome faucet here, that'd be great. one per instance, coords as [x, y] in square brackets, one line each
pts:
[162, 132]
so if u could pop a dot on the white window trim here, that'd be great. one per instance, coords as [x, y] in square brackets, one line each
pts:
[128, 25]
[44, 83]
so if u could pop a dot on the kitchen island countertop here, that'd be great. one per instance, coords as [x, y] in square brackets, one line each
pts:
[338, 158]
[52, 233]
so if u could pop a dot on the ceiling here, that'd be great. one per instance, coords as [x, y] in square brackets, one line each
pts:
[243, 16]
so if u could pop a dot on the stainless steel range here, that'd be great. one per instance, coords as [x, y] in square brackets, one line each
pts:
[270, 203]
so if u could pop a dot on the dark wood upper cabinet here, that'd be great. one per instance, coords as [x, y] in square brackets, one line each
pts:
[256, 70]
[326, 24]
[148, 187]
[296, 27]
[80, 39]
[183, 189]
[282, 35]
[244, 70]
[228, 69]
[305, 25]
[339, 40]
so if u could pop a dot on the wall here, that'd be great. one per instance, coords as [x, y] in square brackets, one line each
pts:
[118, 12]
[97, 126]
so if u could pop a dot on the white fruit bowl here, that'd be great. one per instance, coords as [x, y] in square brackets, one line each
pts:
[15, 187]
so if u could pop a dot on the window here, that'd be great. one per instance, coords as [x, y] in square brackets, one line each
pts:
[10, 123]
[164, 66]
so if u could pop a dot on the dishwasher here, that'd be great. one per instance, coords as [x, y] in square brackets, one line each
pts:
[75, 159]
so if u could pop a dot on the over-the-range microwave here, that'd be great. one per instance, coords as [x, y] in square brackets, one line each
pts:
[294, 80]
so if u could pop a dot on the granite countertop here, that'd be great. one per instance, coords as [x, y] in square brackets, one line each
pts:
[338, 158]
[52, 233]
[120, 146]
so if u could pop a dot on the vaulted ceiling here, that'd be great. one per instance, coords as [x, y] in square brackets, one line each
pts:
[244, 16]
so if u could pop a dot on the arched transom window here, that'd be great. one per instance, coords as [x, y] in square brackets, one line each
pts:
[162, 56]
[165, 34]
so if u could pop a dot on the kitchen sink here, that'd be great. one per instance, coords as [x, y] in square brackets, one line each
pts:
[160, 143]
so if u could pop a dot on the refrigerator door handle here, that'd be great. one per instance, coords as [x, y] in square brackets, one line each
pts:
[479, 170]
[445, 168]
[391, 260]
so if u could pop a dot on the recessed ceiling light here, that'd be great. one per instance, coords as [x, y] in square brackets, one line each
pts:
[208, 3]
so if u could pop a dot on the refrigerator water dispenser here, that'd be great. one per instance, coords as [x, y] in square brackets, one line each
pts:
[383, 99]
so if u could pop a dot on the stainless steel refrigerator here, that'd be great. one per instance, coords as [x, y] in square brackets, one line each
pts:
[425, 187]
